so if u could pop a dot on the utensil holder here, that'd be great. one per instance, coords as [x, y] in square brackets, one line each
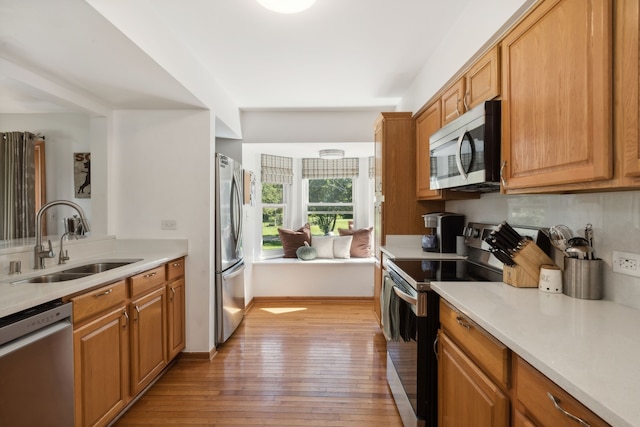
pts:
[583, 278]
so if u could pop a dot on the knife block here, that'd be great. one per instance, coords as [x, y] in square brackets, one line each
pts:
[526, 272]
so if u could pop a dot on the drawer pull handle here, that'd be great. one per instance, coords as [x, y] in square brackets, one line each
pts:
[101, 294]
[556, 403]
[146, 276]
[462, 323]
[126, 318]
[176, 264]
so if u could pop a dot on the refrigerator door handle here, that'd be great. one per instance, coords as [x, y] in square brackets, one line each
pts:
[233, 274]
[236, 211]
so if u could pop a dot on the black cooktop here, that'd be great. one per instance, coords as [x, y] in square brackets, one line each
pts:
[425, 271]
[419, 273]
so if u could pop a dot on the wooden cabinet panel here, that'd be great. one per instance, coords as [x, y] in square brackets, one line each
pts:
[143, 282]
[176, 331]
[466, 396]
[148, 338]
[397, 211]
[628, 84]
[532, 389]
[520, 420]
[175, 269]
[377, 291]
[427, 123]
[101, 361]
[94, 302]
[482, 81]
[557, 95]
[490, 354]
[452, 102]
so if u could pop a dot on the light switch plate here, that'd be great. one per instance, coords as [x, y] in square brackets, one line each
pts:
[168, 224]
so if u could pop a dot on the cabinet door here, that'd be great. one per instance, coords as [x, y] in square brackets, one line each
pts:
[482, 81]
[452, 102]
[466, 396]
[148, 338]
[520, 420]
[427, 123]
[557, 95]
[533, 391]
[628, 124]
[176, 317]
[101, 368]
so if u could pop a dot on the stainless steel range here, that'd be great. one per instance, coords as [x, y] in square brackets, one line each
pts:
[410, 317]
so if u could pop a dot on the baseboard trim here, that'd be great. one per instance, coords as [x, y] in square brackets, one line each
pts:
[198, 355]
[313, 299]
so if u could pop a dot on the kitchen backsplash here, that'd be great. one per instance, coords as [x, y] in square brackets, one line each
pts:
[615, 218]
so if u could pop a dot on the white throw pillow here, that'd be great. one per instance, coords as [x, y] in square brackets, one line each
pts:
[342, 246]
[323, 246]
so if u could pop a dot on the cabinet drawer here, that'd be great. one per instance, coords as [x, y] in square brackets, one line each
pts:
[490, 354]
[143, 282]
[532, 389]
[96, 301]
[175, 268]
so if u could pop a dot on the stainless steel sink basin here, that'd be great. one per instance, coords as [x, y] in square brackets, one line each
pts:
[78, 272]
[53, 277]
[99, 267]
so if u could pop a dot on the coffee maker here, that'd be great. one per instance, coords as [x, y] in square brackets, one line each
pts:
[441, 231]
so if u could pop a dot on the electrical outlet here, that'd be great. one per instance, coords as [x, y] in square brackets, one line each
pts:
[168, 224]
[626, 263]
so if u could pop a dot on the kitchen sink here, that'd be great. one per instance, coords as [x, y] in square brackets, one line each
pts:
[99, 267]
[53, 277]
[78, 272]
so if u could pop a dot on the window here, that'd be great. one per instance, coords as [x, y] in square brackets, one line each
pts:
[329, 204]
[274, 209]
[276, 179]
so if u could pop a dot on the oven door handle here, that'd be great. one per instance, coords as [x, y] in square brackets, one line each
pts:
[405, 296]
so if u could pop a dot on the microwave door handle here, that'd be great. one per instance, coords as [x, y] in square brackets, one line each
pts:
[463, 173]
[404, 296]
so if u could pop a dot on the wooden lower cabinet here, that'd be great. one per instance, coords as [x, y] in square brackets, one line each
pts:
[176, 330]
[532, 395]
[101, 368]
[521, 420]
[124, 336]
[148, 338]
[466, 396]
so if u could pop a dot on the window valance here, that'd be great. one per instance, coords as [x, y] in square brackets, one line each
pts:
[333, 168]
[276, 169]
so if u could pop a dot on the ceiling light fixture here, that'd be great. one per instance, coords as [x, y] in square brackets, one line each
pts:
[331, 154]
[287, 6]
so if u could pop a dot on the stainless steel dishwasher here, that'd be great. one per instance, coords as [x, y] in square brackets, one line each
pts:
[36, 367]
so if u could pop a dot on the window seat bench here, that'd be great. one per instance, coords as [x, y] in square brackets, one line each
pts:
[291, 277]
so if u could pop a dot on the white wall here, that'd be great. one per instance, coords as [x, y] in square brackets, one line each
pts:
[65, 134]
[163, 170]
[478, 26]
[615, 218]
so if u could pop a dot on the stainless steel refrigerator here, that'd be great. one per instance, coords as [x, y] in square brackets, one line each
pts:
[228, 248]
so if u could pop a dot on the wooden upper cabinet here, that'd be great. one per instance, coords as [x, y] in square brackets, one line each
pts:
[557, 95]
[482, 81]
[452, 102]
[427, 123]
[628, 105]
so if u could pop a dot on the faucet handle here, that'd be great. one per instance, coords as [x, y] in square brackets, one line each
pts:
[49, 253]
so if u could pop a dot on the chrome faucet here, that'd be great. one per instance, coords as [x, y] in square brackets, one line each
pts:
[63, 255]
[40, 253]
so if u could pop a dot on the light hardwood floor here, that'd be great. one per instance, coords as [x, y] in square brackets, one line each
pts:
[290, 363]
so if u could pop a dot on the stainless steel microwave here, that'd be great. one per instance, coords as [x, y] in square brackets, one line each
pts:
[465, 154]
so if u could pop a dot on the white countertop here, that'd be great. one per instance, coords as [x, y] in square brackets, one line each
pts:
[590, 348]
[17, 297]
[410, 247]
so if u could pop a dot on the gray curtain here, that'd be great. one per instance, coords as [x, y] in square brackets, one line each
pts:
[17, 185]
